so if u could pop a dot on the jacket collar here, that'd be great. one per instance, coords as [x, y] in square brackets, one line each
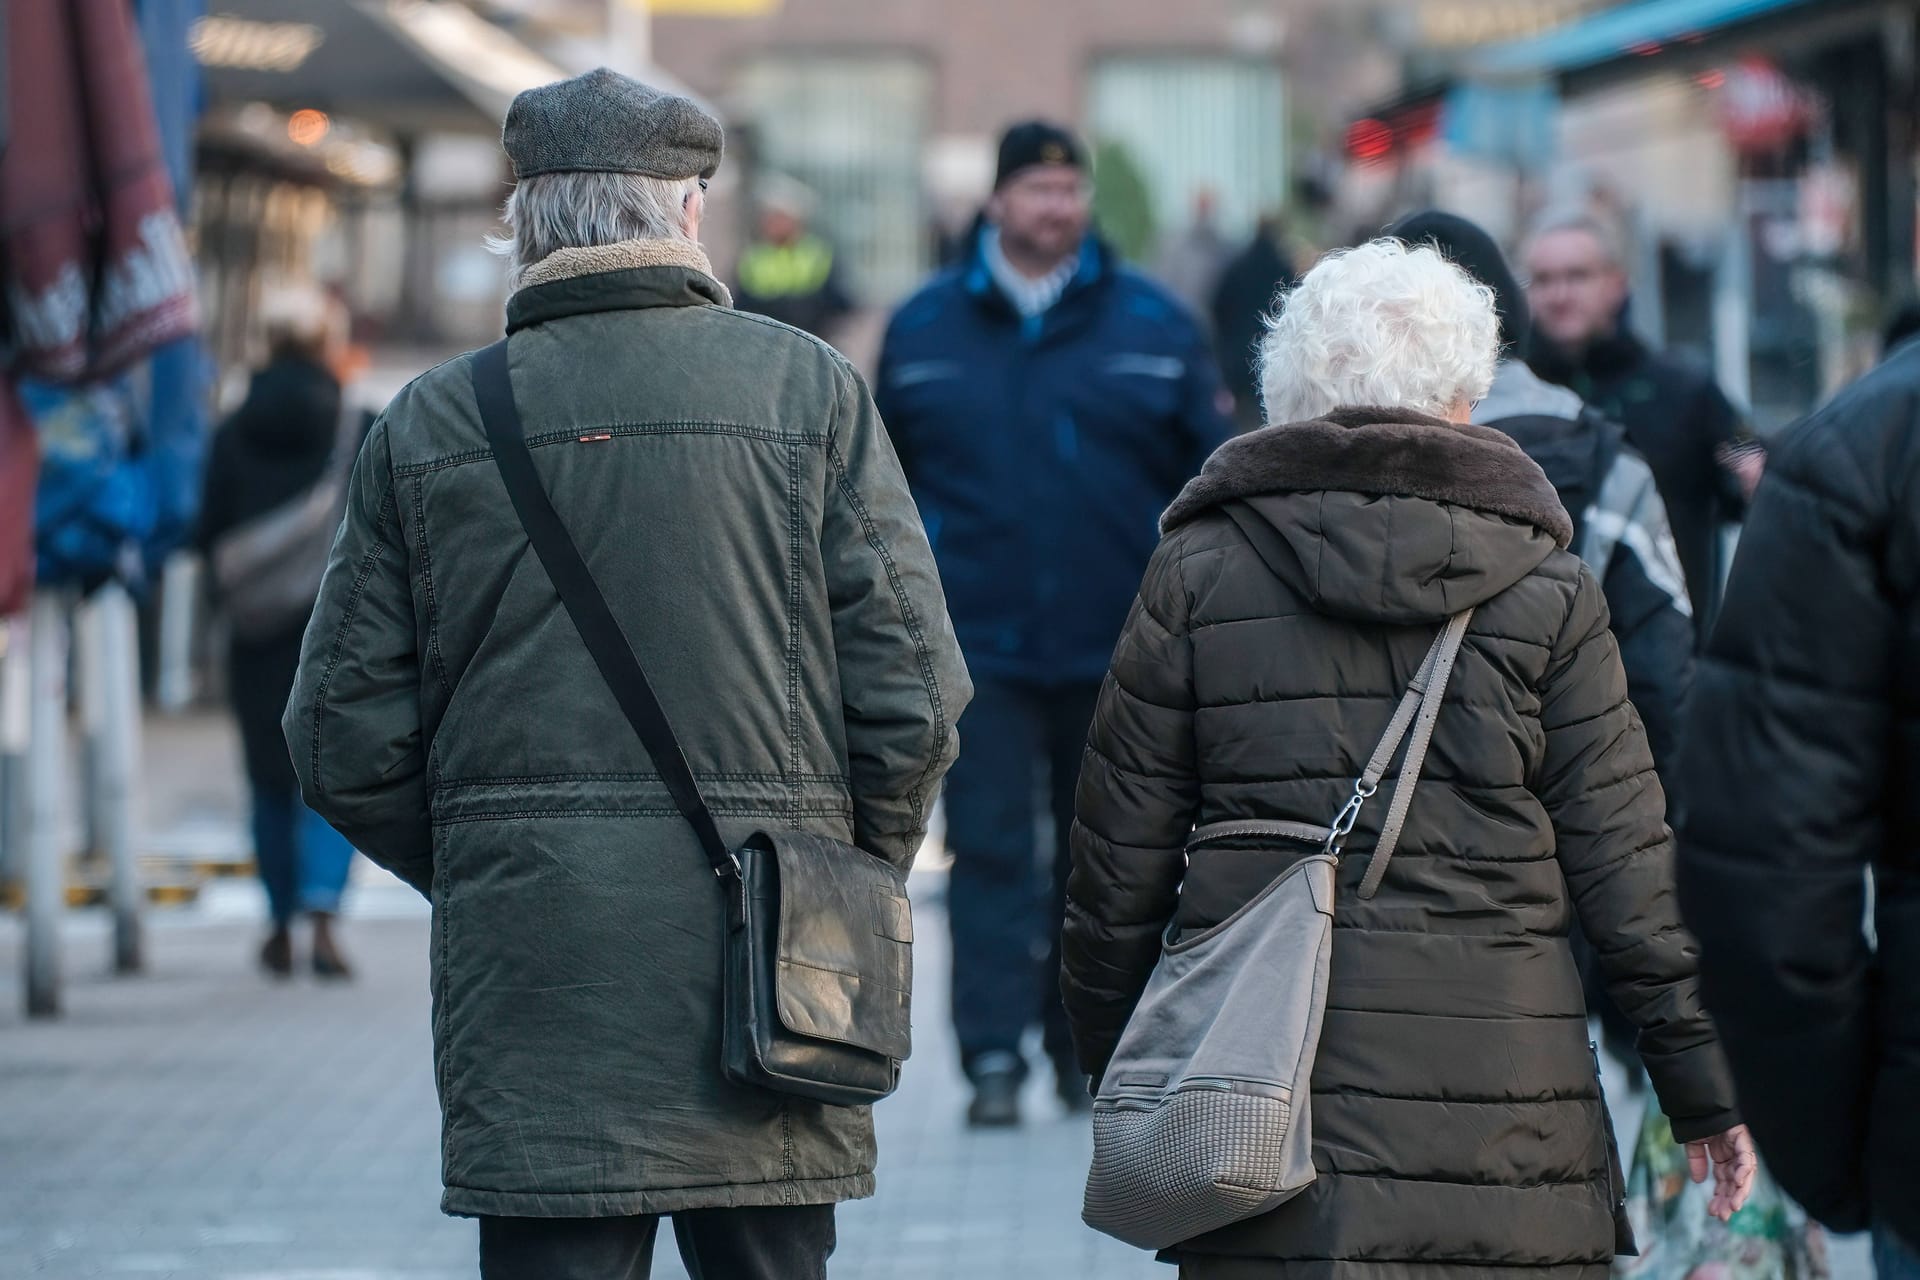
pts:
[630, 275]
[1095, 267]
[1386, 452]
[1518, 391]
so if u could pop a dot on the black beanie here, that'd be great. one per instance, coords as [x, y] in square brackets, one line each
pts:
[1033, 142]
[1473, 251]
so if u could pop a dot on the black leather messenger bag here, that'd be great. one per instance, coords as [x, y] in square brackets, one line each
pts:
[819, 957]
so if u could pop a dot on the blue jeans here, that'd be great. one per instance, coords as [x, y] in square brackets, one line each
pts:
[1894, 1258]
[303, 862]
[1005, 902]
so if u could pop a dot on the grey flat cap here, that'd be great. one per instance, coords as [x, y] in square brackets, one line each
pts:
[604, 122]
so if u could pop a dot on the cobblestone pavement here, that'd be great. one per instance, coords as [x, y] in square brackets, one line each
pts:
[199, 1121]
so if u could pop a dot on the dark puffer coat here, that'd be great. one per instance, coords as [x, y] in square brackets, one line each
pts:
[1457, 1118]
[1803, 746]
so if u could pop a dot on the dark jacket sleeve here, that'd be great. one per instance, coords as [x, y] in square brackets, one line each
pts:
[1786, 760]
[353, 719]
[1138, 792]
[899, 430]
[217, 490]
[1656, 648]
[903, 684]
[1609, 819]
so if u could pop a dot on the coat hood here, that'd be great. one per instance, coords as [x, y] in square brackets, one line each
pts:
[1386, 514]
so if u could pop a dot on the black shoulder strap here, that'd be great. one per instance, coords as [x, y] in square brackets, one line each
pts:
[612, 653]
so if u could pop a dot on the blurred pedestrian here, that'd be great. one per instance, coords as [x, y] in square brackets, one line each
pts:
[1250, 284]
[275, 490]
[1047, 402]
[788, 273]
[1802, 777]
[1456, 1114]
[1190, 260]
[1675, 414]
[733, 495]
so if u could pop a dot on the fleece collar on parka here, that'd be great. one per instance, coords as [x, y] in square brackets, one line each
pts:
[612, 277]
[1384, 452]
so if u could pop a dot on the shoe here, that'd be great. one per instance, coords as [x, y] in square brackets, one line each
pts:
[996, 1101]
[1073, 1088]
[276, 954]
[327, 960]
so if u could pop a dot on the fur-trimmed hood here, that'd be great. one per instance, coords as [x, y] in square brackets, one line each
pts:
[1384, 452]
[1383, 514]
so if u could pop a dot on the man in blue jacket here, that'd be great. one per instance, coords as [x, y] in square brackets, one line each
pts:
[1047, 404]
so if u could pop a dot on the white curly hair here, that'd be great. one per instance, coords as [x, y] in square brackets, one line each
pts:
[1384, 323]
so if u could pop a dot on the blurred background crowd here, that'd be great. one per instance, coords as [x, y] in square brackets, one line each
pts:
[280, 208]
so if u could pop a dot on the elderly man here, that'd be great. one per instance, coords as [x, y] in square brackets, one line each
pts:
[1047, 404]
[1675, 413]
[730, 488]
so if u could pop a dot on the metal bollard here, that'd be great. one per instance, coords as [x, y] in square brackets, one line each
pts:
[46, 767]
[110, 704]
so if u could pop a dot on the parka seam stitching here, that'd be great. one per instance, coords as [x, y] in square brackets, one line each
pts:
[916, 797]
[643, 811]
[426, 583]
[794, 601]
[507, 779]
[541, 440]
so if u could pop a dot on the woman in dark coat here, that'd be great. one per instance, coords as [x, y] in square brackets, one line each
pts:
[273, 450]
[1457, 1119]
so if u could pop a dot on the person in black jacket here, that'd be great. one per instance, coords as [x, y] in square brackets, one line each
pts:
[1249, 285]
[1675, 413]
[1802, 761]
[271, 452]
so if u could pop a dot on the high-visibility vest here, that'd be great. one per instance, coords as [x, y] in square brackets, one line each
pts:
[786, 270]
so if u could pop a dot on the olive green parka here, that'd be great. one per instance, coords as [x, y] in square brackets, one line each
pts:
[731, 488]
[1456, 1111]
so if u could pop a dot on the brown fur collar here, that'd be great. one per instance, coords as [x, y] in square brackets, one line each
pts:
[566, 264]
[1379, 451]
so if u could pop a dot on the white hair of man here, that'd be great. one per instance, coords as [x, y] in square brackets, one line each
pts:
[1383, 324]
[1576, 218]
[578, 210]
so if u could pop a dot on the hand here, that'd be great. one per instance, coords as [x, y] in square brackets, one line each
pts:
[1734, 1163]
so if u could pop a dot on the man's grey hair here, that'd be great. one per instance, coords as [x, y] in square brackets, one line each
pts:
[1575, 218]
[574, 210]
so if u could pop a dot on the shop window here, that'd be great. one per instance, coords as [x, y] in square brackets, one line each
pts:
[852, 129]
[1193, 124]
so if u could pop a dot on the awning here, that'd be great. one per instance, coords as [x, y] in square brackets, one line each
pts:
[1632, 30]
[407, 65]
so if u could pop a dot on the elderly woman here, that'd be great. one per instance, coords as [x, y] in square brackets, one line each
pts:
[1457, 1117]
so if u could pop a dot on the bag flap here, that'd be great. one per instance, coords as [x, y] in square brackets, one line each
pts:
[845, 966]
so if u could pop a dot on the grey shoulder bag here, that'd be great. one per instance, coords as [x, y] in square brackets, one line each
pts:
[1202, 1118]
[818, 967]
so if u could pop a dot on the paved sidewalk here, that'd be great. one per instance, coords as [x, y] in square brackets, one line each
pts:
[203, 1122]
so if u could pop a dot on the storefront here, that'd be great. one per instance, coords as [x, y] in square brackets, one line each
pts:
[1758, 154]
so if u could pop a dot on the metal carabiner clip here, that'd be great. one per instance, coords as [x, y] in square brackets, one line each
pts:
[1343, 824]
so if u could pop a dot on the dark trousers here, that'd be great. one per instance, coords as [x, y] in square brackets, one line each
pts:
[1007, 895]
[777, 1243]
